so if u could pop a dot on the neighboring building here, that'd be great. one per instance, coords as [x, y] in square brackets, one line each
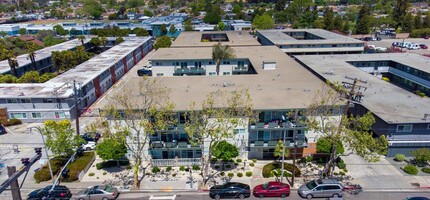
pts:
[37, 102]
[208, 39]
[310, 41]
[278, 87]
[401, 115]
[238, 25]
[10, 29]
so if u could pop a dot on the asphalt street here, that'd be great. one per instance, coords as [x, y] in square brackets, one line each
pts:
[294, 196]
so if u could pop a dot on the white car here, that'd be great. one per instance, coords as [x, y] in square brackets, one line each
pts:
[89, 146]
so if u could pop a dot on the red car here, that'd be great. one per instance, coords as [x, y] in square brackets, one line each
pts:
[272, 189]
[423, 46]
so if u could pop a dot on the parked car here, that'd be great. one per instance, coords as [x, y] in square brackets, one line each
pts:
[59, 192]
[321, 188]
[147, 67]
[413, 46]
[89, 146]
[91, 136]
[144, 72]
[272, 189]
[423, 46]
[103, 192]
[417, 198]
[230, 190]
[2, 129]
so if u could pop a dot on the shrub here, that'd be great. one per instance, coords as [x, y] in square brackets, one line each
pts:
[386, 79]
[239, 174]
[254, 160]
[91, 174]
[400, 157]
[309, 158]
[168, 168]
[43, 173]
[417, 33]
[345, 170]
[104, 173]
[342, 173]
[112, 163]
[214, 160]
[216, 167]
[238, 160]
[196, 167]
[341, 165]
[228, 166]
[155, 170]
[248, 174]
[410, 169]
[426, 170]
[182, 168]
[128, 167]
[230, 174]
[236, 163]
[268, 168]
[222, 173]
[251, 164]
[12, 122]
[174, 175]
[78, 165]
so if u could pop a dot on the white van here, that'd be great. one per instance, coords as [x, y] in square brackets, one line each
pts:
[413, 46]
[405, 44]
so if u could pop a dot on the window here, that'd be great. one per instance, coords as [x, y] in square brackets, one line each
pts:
[12, 101]
[212, 73]
[211, 63]
[226, 73]
[18, 115]
[428, 126]
[225, 62]
[240, 131]
[36, 115]
[48, 101]
[160, 74]
[59, 115]
[25, 100]
[184, 64]
[404, 128]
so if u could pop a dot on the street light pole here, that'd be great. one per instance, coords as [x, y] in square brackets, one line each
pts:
[46, 151]
[283, 157]
[76, 106]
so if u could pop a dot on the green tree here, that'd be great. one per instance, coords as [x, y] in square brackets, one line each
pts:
[236, 9]
[96, 41]
[134, 3]
[111, 149]
[363, 21]
[82, 39]
[408, 23]
[338, 23]
[280, 5]
[353, 131]
[421, 155]
[163, 29]
[60, 137]
[125, 123]
[345, 27]
[213, 16]
[93, 8]
[328, 18]
[324, 146]
[426, 21]
[11, 59]
[148, 13]
[172, 29]
[221, 26]
[162, 42]
[399, 11]
[22, 31]
[8, 78]
[223, 150]
[119, 40]
[221, 52]
[29, 77]
[188, 26]
[140, 32]
[278, 150]
[214, 119]
[263, 22]
[51, 41]
[3, 33]
[60, 30]
[103, 40]
[418, 22]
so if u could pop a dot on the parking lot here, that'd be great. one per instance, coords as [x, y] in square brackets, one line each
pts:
[388, 42]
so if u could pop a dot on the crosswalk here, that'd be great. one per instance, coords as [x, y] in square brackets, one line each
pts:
[173, 197]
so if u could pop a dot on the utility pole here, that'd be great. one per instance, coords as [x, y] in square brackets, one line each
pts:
[76, 106]
[283, 157]
[16, 193]
[351, 97]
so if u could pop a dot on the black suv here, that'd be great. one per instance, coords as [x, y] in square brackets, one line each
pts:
[59, 192]
[144, 72]
[93, 137]
[2, 129]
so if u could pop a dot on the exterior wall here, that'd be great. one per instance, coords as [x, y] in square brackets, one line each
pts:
[196, 67]
[263, 40]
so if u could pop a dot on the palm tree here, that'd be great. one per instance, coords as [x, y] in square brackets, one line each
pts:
[32, 54]
[11, 58]
[103, 40]
[219, 53]
[81, 38]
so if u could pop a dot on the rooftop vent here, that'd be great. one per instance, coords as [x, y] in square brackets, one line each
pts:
[426, 116]
[269, 65]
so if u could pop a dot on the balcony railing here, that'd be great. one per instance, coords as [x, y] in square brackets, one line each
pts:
[172, 145]
[190, 70]
[240, 69]
[272, 125]
[175, 162]
[272, 144]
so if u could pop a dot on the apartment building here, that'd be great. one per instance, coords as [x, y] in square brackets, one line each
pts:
[394, 85]
[54, 99]
[310, 41]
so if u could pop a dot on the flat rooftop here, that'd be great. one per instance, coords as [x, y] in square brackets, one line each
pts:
[194, 39]
[387, 101]
[42, 54]
[278, 37]
[289, 86]
[82, 73]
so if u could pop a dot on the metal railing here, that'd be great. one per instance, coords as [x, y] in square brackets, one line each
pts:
[175, 162]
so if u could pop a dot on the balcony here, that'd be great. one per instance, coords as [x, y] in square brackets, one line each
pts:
[175, 162]
[241, 69]
[277, 125]
[272, 144]
[179, 71]
[172, 145]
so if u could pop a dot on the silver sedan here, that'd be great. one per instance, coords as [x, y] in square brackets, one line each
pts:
[98, 192]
